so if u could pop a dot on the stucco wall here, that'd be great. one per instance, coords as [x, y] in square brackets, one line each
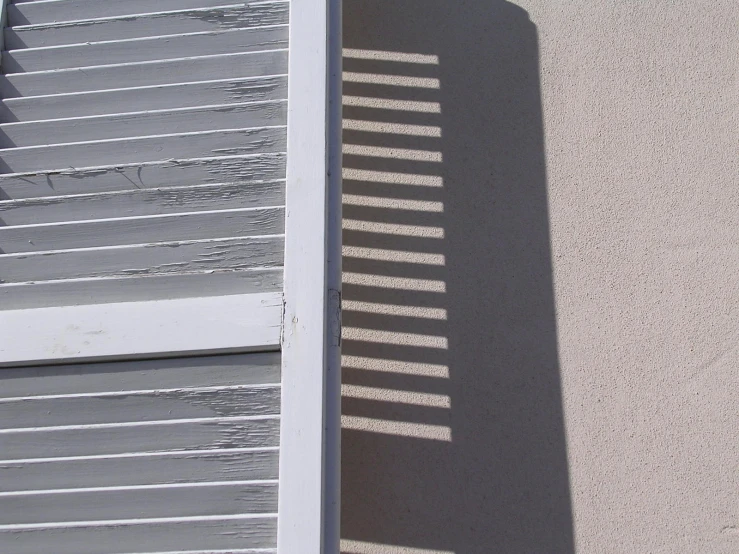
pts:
[541, 277]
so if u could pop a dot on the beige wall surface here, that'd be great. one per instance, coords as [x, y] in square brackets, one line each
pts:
[541, 229]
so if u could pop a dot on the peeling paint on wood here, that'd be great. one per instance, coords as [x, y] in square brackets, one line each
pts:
[142, 203]
[139, 230]
[149, 175]
[145, 49]
[158, 437]
[143, 149]
[140, 469]
[181, 70]
[140, 288]
[140, 502]
[150, 405]
[228, 370]
[154, 501]
[146, 123]
[141, 260]
[209, 93]
[203, 534]
[31, 13]
[151, 24]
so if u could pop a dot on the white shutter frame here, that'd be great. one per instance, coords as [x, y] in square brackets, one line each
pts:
[308, 510]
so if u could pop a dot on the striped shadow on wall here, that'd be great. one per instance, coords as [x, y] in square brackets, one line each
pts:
[394, 341]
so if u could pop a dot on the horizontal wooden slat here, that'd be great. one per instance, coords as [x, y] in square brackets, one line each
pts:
[142, 203]
[141, 260]
[145, 438]
[163, 287]
[24, 12]
[153, 405]
[135, 469]
[206, 535]
[130, 330]
[232, 369]
[148, 175]
[142, 124]
[39, 108]
[145, 49]
[118, 232]
[139, 503]
[184, 70]
[156, 24]
[145, 149]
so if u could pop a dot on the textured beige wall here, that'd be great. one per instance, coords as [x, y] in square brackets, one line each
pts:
[542, 277]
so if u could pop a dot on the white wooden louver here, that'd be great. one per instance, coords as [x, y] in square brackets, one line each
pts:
[170, 210]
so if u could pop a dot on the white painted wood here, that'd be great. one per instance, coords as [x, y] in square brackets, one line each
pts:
[159, 97]
[152, 438]
[141, 260]
[143, 123]
[177, 171]
[307, 341]
[166, 373]
[212, 535]
[145, 49]
[234, 16]
[205, 283]
[201, 68]
[146, 405]
[143, 149]
[140, 468]
[181, 226]
[49, 11]
[138, 501]
[143, 218]
[138, 202]
[138, 329]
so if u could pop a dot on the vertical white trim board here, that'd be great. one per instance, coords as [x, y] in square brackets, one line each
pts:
[307, 352]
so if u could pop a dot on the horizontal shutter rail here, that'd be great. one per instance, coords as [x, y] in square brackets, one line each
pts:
[142, 329]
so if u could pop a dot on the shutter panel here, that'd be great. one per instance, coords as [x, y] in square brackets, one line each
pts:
[170, 215]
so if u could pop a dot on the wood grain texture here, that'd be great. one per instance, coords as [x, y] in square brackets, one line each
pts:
[226, 370]
[140, 537]
[135, 288]
[177, 171]
[142, 203]
[152, 24]
[142, 230]
[142, 149]
[139, 469]
[142, 260]
[143, 123]
[140, 485]
[141, 215]
[31, 13]
[159, 97]
[144, 49]
[182, 70]
[152, 405]
[139, 503]
[143, 438]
